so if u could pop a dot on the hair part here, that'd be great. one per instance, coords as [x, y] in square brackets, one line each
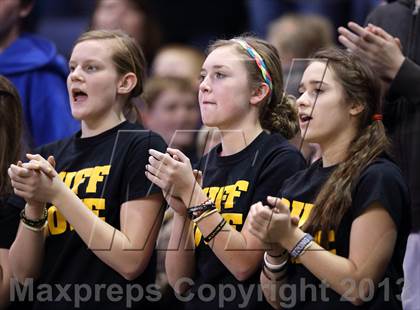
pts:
[277, 111]
[127, 57]
[11, 130]
[360, 86]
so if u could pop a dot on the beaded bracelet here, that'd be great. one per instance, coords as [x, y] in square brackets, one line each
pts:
[36, 224]
[215, 231]
[301, 245]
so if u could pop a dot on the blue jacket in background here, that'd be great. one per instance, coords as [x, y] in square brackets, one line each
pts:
[39, 74]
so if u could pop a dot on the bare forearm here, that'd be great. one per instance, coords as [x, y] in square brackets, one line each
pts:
[109, 244]
[5, 275]
[180, 260]
[27, 251]
[232, 248]
[342, 274]
[229, 245]
[271, 290]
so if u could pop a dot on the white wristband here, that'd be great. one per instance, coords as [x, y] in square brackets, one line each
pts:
[272, 266]
[33, 228]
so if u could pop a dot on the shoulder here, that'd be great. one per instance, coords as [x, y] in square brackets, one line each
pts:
[138, 132]
[382, 170]
[277, 145]
[381, 182]
[53, 147]
[140, 138]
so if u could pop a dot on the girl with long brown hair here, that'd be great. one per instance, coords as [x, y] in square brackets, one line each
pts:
[11, 127]
[352, 203]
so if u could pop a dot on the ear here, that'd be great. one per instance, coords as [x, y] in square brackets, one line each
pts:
[259, 93]
[127, 83]
[356, 108]
[26, 9]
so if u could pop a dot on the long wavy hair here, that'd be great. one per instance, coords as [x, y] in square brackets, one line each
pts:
[359, 85]
[11, 129]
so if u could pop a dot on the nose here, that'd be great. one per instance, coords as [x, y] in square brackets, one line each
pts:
[204, 85]
[75, 74]
[303, 100]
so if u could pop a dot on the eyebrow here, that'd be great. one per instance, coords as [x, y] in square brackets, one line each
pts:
[85, 60]
[314, 82]
[217, 67]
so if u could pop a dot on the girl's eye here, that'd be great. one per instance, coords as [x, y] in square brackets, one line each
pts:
[201, 77]
[71, 68]
[91, 68]
[318, 91]
[219, 75]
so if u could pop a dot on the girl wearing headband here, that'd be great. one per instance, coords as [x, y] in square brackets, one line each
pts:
[90, 225]
[348, 247]
[241, 93]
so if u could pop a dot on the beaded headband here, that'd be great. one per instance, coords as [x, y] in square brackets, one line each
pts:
[259, 61]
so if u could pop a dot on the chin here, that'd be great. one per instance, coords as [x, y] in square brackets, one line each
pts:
[209, 123]
[78, 115]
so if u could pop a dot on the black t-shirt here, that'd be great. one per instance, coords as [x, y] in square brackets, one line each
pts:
[9, 222]
[380, 182]
[234, 183]
[104, 171]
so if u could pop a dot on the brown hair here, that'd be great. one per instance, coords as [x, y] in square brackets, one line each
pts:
[155, 86]
[10, 131]
[360, 86]
[277, 110]
[127, 57]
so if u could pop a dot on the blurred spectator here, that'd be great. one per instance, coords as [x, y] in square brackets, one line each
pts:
[62, 21]
[39, 74]
[133, 17]
[263, 12]
[171, 110]
[179, 61]
[298, 36]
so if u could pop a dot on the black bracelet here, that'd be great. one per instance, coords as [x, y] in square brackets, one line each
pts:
[281, 278]
[215, 231]
[280, 255]
[195, 211]
[34, 223]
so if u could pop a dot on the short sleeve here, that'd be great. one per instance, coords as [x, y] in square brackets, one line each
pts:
[9, 224]
[383, 183]
[138, 185]
[282, 165]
